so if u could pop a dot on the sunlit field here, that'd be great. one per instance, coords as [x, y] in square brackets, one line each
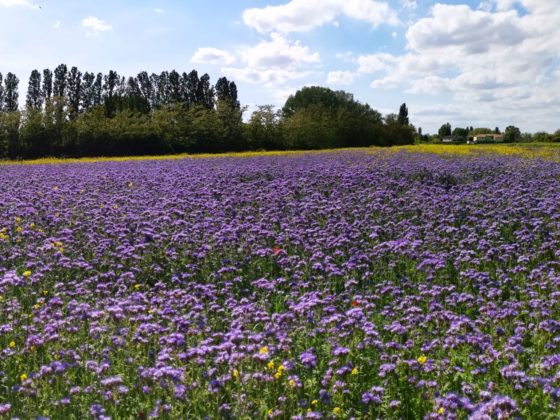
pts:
[403, 283]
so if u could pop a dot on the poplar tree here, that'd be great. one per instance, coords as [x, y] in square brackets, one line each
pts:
[34, 98]
[11, 94]
[47, 85]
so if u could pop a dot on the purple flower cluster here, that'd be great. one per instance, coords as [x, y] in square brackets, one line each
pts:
[384, 285]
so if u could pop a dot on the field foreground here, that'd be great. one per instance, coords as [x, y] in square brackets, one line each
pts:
[382, 285]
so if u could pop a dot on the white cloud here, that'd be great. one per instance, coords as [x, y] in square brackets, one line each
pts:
[14, 3]
[340, 78]
[304, 15]
[486, 6]
[461, 27]
[408, 4]
[264, 76]
[208, 55]
[499, 65]
[373, 63]
[158, 11]
[274, 61]
[96, 25]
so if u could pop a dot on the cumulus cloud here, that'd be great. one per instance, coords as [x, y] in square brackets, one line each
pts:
[373, 63]
[486, 61]
[473, 31]
[95, 25]
[340, 78]
[304, 15]
[274, 61]
[208, 55]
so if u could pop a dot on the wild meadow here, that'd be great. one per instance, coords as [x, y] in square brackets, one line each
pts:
[386, 284]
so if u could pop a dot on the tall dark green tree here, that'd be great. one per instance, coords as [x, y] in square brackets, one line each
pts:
[60, 81]
[192, 82]
[47, 87]
[111, 82]
[205, 92]
[87, 93]
[444, 131]
[156, 100]
[226, 91]
[162, 87]
[174, 88]
[403, 115]
[460, 134]
[146, 88]
[74, 92]
[233, 93]
[33, 135]
[512, 134]
[222, 89]
[10, 124]
[134, 100]
[98, 90]
[34, 98]
[11, 93]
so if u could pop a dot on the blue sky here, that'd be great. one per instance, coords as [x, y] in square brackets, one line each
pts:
[467, 62]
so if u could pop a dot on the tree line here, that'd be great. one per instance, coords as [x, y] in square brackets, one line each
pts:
[68, 112]
[511, 134]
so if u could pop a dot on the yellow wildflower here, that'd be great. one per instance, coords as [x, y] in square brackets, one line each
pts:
[18, 219]
[270, 365]
[314, 402]
[12, 344]
[19, 229]
[292, 383]
[270, 412]
[235, 373]
[355, 371]
[23, 377]
[263, 350]
[27, 273]
[277, 375]
[150, 311]
[422, 359]
[336, 411]
[137, 286]
[55, 188]
[281, 368]
[441, 411]
[32, 225]
[37, 306]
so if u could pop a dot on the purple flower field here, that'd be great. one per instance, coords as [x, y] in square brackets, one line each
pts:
[337, 285]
